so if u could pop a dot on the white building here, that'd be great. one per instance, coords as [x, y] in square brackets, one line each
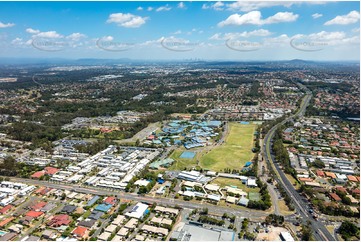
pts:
[138, 211]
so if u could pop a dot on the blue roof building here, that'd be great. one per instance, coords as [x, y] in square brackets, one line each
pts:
[92, 201]
[103, 207]
[214, 123]
[248, 164]
[95, 215]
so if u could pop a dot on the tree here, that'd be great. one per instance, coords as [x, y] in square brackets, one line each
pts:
[306, 232]
[319, 164]
[275, 220]
[250, 236]
[142, 190]
[204, 211]
[348, 230]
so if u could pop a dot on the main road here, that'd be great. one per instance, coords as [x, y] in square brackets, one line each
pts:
[320, 231]
[242, 212]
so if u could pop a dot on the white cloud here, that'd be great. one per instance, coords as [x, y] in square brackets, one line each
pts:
[245, 34]
[177, 32]
[356, 30]
[255, 18]
[219, 6]
[317, 15]
[323, 35]
[152, 42]
[323, 38]
[127, 20]
[8, 25]
[350, 18]
[139, 8]
[150, 9]
[32, 31]
[181, 5]
[49, 34]
[76, 36]
[216, 36]
[258, 32]
[281, 17]
[205, 6]
[108, 38]
[249, 6]
[17, 41]
[246, 6]
[163, 8]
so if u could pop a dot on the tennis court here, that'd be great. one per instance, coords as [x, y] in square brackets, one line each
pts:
[187, 155]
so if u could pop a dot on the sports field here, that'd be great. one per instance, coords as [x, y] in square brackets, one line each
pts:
[181, 163]
[236, 150]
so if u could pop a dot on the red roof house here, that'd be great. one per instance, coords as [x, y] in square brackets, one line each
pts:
[305, 179]
[34, 214]
[38, 174]
[352, 178]
[356, 192]
[5, 209]
[45, 191]
[6, 221]
[335, 197]
[80, 231]
[341, 189]
[59, 220]
[320, 173]
[151, 137]
[38, 206]
[110, 200]
[50, 170]
[330, 174]
[39, 190]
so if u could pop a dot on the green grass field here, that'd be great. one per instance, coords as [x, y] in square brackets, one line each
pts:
[236, 150]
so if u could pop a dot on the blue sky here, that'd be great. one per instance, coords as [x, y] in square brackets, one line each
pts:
[181, 30]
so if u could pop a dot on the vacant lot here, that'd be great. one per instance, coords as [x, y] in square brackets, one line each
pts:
[235, 152]
[221, 181]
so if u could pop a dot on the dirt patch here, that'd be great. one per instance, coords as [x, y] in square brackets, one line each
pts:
[272, 235]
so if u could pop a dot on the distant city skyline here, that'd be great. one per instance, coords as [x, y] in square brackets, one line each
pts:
[181, 30]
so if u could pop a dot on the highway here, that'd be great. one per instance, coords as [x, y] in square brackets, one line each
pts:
[320, 231]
